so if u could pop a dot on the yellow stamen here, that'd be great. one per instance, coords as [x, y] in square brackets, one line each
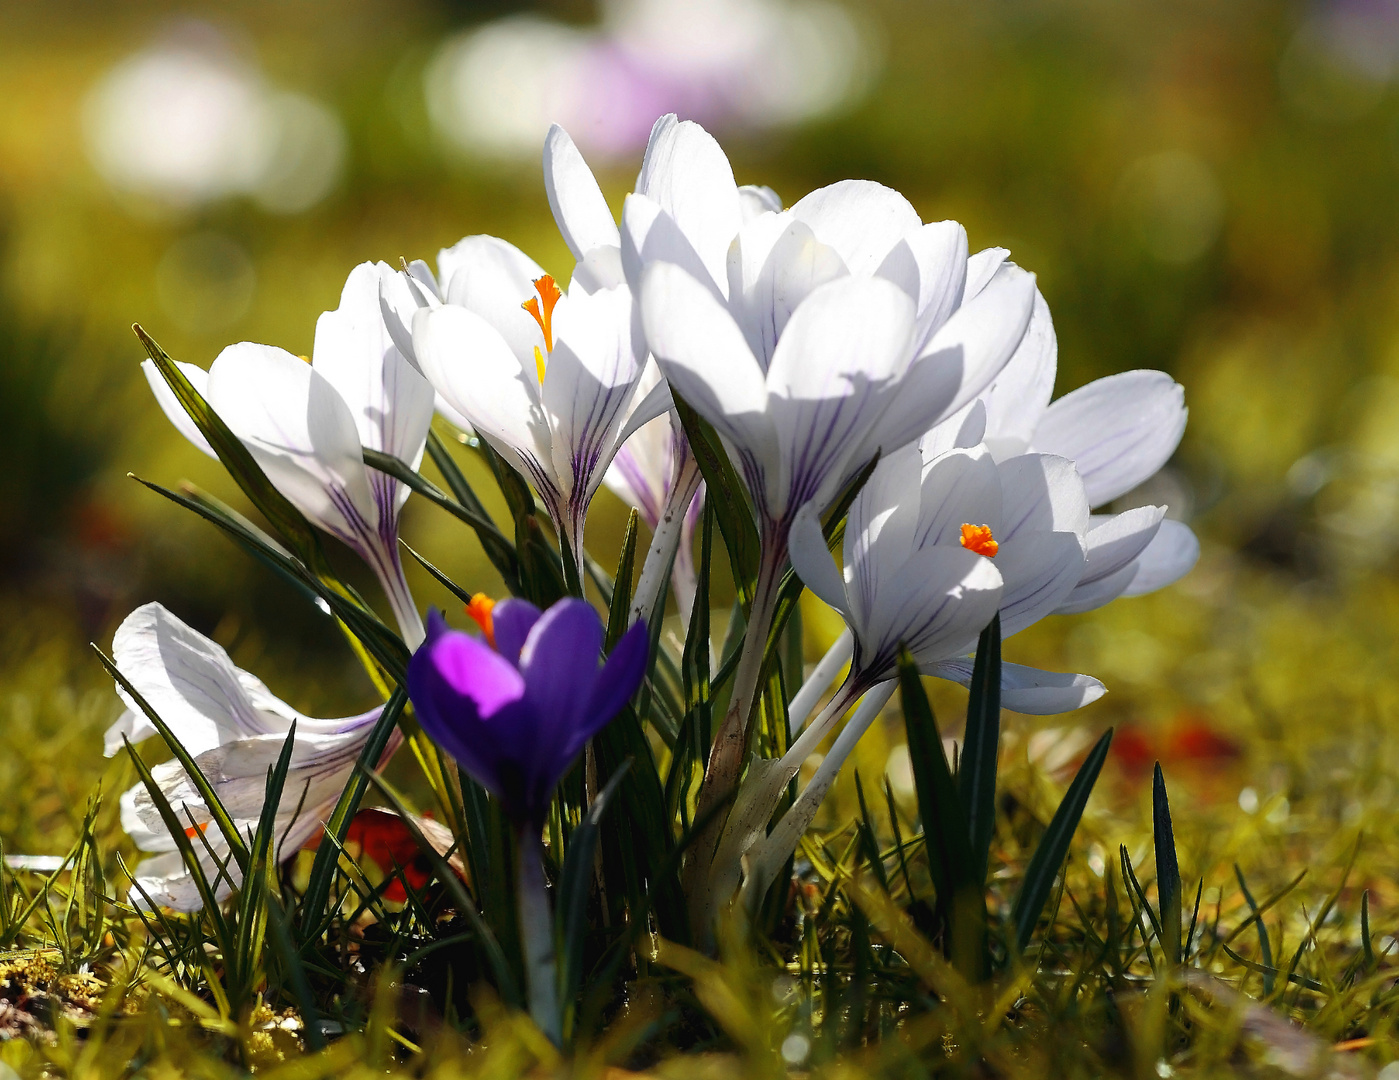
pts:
[480, 611]
[978, 538]
[542, 308]
[539, 364]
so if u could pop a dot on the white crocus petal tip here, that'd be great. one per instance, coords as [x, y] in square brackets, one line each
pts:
[812, 561]
[1119, 430]
[1172, 553]
[1026, 689]
[170, 404]
[574, 197]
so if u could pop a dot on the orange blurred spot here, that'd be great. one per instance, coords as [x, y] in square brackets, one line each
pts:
[197, 830]
[1133, 750]
[480, 611]
[978, 538]
[542, 308]
[1195, 740]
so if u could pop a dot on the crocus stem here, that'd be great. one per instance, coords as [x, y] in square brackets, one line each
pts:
[537, 933]
[769, 853]
[665, 544]
[822, 675]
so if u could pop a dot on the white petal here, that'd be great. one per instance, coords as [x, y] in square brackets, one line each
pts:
[479, 375]
[981, 268]
[1040, 569]
[962, 357]
[170, 404]
[651, 401]
[1019, 395]
[936, 604]
[188, 680]
[1115, 540]
[166, 883]
[575, 198]
[705, 359]
[601, 268]
[590, 382]
[1119, 430]
[401, 294]
[1029, 690]
[650, 235]
[300, 431]
[494, 278]
[1041, 492]
[930, 265]
[389, 399]
[793, 266]
[961, 487]
[1171, 555]
[879, 532]
[812, 561]
[686, 173]
[1089, 595]
[756, 199]
[844, 345]
[960, 431]
[860, 219]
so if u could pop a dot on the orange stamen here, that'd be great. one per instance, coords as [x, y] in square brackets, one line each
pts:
[480, 611]
[978, 538]
[196, 830]
[542, 307]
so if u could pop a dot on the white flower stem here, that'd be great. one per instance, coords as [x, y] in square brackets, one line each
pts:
[822, 675]
[772, 851]
[665, 546]
[537, 934]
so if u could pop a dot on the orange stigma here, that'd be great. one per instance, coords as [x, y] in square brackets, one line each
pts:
[197, 830]
[978, 538]
[542, 307]
[480, 611]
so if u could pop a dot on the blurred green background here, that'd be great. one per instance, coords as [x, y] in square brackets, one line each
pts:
[1203, 188]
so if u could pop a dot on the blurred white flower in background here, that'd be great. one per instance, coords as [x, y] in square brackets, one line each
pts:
[756, 63]
[189, 120]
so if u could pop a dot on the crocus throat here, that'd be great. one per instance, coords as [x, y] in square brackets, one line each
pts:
[978, 538]
[480, 611]
[542, 308]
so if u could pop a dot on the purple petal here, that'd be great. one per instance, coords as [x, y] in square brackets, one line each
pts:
[436, 627]
[453, 719]
[513, 620]
[476, 672]
[616, 683]
[560, 666]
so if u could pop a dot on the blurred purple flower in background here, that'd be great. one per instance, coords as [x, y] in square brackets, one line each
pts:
[753, 63]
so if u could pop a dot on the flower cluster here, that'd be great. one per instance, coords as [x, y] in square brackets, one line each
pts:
[848, 360]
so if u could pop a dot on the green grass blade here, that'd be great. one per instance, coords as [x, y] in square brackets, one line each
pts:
[620, 606]
[1168, 894]
[1054, 845]
[944, 827]
[976, 778]
[575, 882]
[437, 575]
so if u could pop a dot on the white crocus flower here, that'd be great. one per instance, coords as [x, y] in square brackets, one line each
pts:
[235, 729]
[935, 545]
[811, 338]
[551, 379]
[1119, 431]
[307, 426]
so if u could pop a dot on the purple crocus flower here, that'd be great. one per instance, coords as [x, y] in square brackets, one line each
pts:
[516, 711]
